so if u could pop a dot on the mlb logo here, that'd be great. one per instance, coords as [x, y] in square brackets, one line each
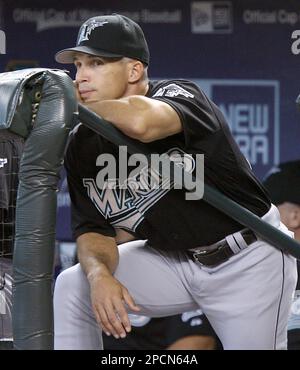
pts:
[211, 17]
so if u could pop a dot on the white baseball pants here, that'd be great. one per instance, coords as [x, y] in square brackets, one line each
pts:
[247, 299]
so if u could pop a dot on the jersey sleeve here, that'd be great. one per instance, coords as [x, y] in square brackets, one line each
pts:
[84, 215]
[192, 105]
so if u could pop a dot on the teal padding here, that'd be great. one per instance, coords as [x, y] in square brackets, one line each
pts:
[36, 210]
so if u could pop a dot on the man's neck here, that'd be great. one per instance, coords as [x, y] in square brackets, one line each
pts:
[140, 88]
[297, 234]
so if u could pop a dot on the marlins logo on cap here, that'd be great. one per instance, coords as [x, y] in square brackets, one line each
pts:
[86, 30]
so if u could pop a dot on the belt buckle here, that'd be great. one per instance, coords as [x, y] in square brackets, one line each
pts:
[196, 254]
[211, 260]
[204, 252]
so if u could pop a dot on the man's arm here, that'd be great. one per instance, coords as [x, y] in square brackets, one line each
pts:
[98, 256]
[123, 236]
[139, 117]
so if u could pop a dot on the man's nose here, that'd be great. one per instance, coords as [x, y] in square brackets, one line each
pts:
[82, 75]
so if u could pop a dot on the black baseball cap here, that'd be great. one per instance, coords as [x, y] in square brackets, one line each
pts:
[109, 36]
[283, 183]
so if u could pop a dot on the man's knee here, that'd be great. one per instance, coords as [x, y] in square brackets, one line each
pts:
[66, 281]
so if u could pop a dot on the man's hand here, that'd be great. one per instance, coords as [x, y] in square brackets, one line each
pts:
[98, 255]
[109, 299]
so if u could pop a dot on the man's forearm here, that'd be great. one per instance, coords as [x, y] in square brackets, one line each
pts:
[123, 236]
[139, 117]
[97, 254]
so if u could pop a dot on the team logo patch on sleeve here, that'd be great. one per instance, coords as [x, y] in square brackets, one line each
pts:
[3, 162]
[173, 90]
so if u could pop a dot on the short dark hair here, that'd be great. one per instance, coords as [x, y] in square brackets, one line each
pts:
[283, 183]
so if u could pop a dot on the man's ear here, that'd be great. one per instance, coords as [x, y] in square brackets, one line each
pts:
[136, 71]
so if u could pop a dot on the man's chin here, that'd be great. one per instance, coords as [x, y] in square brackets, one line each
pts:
[90, 101]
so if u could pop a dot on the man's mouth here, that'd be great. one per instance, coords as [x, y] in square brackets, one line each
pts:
[85, 93]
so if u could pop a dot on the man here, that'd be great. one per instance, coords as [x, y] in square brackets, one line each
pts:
[11, 148]
[283, 185]
[194, 256]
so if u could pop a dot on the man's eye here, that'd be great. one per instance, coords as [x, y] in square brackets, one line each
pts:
[97, 62]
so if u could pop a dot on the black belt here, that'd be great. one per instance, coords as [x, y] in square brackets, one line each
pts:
[214, 255]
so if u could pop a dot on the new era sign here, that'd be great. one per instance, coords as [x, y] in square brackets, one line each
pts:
[251, 107]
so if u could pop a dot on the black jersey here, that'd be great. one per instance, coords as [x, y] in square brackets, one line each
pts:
[164, 217]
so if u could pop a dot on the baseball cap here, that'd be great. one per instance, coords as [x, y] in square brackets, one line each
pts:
[109, 36]
[283, 183]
